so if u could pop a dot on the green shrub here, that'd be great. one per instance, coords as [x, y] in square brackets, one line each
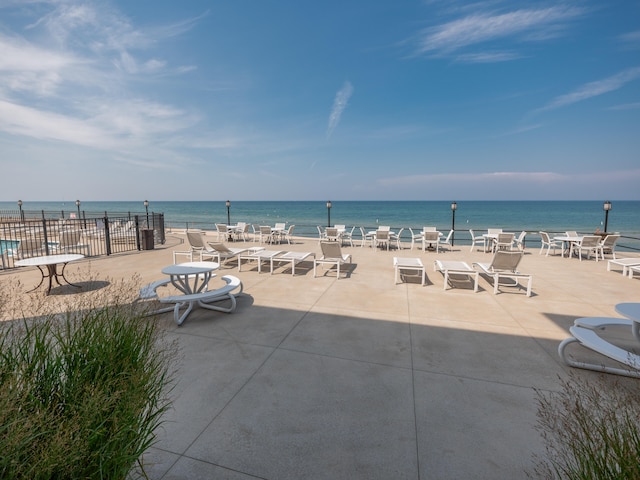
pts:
[81, 392]
[591, 429]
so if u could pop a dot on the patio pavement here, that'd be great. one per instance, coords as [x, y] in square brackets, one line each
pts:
[359, 378]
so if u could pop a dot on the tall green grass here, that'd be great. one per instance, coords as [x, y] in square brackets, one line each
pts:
[591, 429]
[82, 391]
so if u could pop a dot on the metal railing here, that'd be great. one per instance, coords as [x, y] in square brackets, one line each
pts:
[26, 235]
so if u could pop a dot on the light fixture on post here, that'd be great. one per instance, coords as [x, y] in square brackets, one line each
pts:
[228, 204]
[21, 212]
[146, 207]
[78, 205]
[454, 207]
[329, 213]
[607, 207]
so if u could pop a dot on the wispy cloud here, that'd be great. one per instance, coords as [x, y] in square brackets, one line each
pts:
[631, 39]
[484, 27]
[487, 57]
[339, 104]
[594, 89]
[626, 106]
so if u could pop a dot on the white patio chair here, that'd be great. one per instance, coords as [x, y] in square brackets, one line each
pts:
[415, 237]
[548, 243]
[347, 236]
[332, 234]
[431, 238]
[321, 234]
[608, 245]
[287, 234]
[222, 232]
[504, 242]
[589, 244]
[366, 238]
[256, 232]
[446, 241]
[477, 240]
[397, 238]
[520, 240]
[382, 237]
[266, 234]
[331, 255]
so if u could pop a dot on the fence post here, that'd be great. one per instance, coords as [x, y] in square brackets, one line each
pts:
[46, 237]
[138, 233]
[107, 234]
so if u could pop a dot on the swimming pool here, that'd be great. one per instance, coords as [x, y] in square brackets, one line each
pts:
[8, 246]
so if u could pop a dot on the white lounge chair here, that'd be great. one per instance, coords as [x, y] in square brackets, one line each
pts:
[331, 255]
[520, 240]
[504, 265]
[200, 246]
[625, 263]
[455, 269]
[70, 241]
[584, 332]
[222, 253]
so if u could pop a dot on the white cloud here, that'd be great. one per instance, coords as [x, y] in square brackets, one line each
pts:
[594, 89]
[339, 104]
[487, 57]
[485, 27]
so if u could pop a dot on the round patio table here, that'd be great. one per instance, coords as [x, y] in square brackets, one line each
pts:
[51, 263]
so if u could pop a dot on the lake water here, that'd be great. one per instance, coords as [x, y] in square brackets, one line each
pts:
[551, 216]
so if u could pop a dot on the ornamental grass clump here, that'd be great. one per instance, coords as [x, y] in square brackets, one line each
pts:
[591, 429]
[82, 390]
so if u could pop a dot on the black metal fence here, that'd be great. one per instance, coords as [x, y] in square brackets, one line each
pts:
[26, 234]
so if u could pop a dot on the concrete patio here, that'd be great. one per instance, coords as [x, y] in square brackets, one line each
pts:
[359, 378]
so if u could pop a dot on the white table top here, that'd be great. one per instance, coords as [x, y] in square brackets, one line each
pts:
[48, 260]
[564, 238]
[190, 268]
[630, 310]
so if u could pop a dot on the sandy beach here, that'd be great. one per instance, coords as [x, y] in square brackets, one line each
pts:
[361, 378]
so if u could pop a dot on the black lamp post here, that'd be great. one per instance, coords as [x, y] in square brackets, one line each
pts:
[78, 205]
[21, 212]
[228, 204]
[454, 207]
[607, 207]
[146, 207]
[329, 213]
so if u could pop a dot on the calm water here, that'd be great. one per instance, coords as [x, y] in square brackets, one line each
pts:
[552, 216]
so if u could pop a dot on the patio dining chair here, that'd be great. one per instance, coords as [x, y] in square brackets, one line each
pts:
[477, 240]
[548, 243]
[589, 244]
[608, 245]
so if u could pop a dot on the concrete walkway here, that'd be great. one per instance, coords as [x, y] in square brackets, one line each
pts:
[359, 378]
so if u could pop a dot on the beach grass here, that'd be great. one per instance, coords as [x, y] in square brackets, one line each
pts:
[82, 389]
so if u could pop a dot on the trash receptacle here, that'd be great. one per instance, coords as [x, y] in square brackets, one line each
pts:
[146, 239]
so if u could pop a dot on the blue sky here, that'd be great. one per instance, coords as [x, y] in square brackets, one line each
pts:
[297, 100]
